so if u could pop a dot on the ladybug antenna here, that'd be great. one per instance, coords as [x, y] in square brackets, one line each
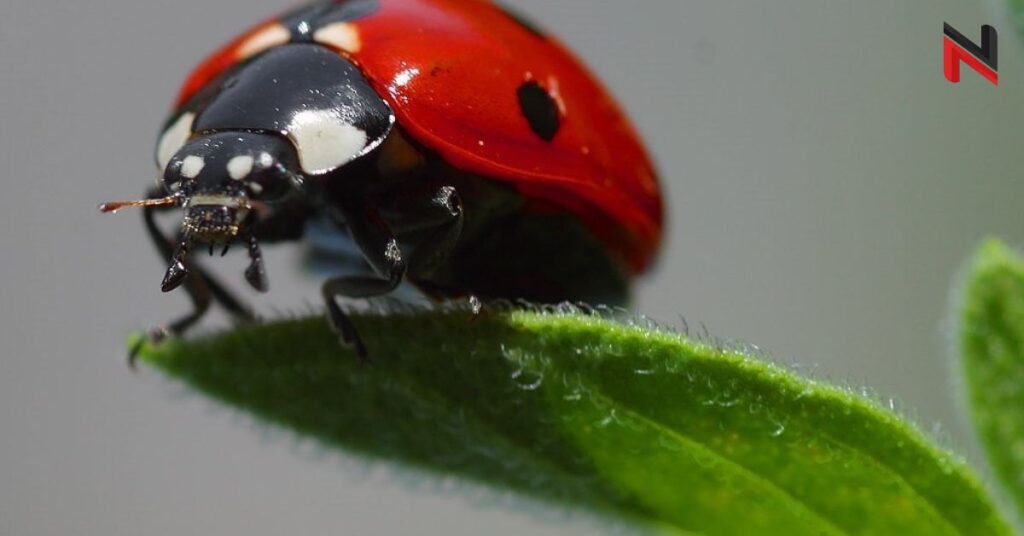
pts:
[114, 206]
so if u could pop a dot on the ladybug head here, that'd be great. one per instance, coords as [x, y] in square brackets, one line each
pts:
[221, 176]
[221, 180]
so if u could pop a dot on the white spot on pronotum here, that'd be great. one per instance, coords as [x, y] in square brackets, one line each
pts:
[272, 35]
[325, 142]
[340, 35]
[240, 167]
[192, 166]
[174, 138]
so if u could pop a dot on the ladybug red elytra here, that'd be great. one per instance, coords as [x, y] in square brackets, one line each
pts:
[459, 146]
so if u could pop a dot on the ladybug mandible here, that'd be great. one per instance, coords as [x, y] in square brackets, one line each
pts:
[460, 147]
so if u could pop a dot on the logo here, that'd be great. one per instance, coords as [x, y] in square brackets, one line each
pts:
[958, 49]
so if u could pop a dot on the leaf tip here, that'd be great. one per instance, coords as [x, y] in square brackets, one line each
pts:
[993, 251]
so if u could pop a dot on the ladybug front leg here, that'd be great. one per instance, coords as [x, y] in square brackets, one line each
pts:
[380, 248]
[199, 285]
[166, 247]
[275, 224]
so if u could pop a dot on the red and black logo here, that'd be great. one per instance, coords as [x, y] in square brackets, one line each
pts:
[983, 59]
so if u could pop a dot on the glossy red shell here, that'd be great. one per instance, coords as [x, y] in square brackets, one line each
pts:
[451, 69]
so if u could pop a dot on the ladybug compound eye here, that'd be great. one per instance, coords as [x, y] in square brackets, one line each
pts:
[269, 186]
[273, 192]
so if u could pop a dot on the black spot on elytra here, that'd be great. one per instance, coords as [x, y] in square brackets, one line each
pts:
[540, 110]
[522, 20]
[305, 21]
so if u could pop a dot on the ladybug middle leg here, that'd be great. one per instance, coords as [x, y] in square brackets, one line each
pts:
[441, 216]
[380, 249]
[445, 215]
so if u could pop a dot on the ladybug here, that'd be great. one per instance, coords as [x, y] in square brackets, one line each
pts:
[455, 144]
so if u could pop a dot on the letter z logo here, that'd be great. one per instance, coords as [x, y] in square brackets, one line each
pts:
[957, 48]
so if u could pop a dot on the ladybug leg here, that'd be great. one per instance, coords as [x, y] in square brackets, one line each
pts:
[380, 248]
[443, 220]
[279, 224]
[445, 213]
[256, 273]
[165, 247]
[200, 286]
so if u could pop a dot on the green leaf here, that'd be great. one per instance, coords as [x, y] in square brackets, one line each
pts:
[1015, 13]
[992, 349]
[619, 420]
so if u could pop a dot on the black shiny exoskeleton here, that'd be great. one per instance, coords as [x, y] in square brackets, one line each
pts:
[297, 134]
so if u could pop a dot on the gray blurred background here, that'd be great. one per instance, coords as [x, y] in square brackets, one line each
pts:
[824, 182]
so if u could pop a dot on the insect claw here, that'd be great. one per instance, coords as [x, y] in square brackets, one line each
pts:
[155, 336]
[174, 277]
[256, 273]
[225, 251]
